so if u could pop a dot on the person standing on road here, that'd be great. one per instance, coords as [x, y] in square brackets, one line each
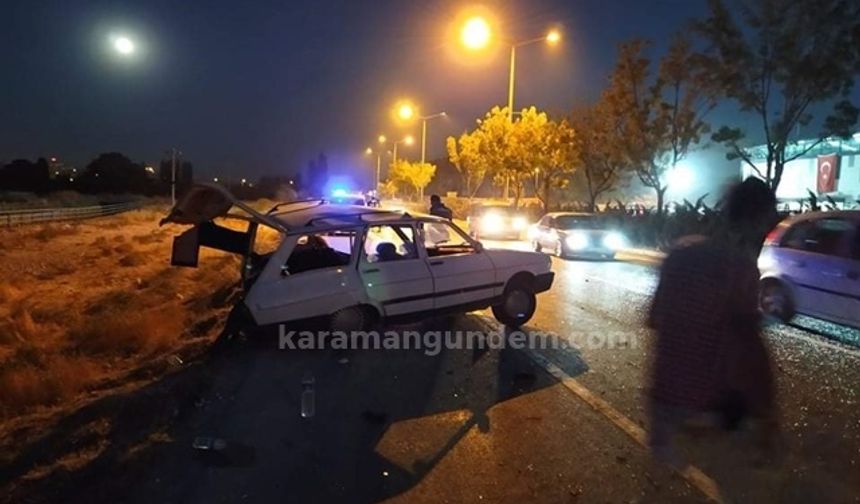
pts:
[710, 356]
[439, 209]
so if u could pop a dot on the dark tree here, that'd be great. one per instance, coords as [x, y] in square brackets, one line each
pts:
[24, 175]
[781, 60]
[317, 175]
[112, 172]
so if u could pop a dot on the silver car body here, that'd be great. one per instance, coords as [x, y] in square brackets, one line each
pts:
[815, 257]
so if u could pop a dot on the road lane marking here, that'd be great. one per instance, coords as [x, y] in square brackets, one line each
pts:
[692, 474]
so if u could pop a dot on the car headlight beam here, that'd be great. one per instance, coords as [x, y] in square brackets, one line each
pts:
[576, 241]
[614, 241]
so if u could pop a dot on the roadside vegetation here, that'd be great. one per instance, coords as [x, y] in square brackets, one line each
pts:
[92, 305]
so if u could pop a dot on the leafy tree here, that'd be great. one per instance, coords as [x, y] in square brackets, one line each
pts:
[781, 60]
[112, 172]
[557, 159]
[317, 175]
[658, 121]
[464, 153]
[602, 164]
[25, 175]
[416, 175]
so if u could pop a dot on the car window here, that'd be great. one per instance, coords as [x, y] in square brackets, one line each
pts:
[823, 236]
[321, 250]
[389, 243]
[442, 238]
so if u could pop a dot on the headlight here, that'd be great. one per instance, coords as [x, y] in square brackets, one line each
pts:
[492, 222]
[519, 223]
[576, 241]
[614, 241]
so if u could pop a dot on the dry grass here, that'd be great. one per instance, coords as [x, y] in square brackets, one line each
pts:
[86, 303]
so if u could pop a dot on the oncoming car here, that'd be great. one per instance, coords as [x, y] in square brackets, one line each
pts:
[496, 221]
[582, 235]
[355, 265]
[810, 264]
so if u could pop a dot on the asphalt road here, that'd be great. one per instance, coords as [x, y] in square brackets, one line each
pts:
[491, 425]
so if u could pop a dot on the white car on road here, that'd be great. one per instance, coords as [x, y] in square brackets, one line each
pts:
[810, 264]
[354, 265]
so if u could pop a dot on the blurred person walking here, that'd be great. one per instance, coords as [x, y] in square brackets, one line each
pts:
[710, 358]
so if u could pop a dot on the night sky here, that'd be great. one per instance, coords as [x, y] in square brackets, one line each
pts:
[246, 88]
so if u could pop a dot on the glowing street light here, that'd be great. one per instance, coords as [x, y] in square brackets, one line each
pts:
[123, 45]
[553, 37]
[475, 34]
[408, 140]
[406, 111]
[381, 139]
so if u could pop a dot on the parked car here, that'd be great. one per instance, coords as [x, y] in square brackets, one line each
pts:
[496, 222]
[582, 235]
[810, 264]
[353, 265]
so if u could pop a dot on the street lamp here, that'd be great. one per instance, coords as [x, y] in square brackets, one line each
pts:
[552, 38]
[123, 45]
[476, 33]
[381, 140]
[408, 140]
[424, 120]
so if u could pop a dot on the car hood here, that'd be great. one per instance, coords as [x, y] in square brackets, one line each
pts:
[504, 258]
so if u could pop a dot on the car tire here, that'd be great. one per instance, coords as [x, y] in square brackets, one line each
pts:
[517, 306]
[352, 318]
[558, 250]
[775, 301]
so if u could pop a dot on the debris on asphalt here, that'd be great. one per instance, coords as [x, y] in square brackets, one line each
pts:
[308, 397]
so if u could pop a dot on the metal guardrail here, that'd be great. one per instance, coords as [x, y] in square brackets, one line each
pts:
[33, 216]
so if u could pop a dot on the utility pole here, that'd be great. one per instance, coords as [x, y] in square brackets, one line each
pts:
[173, 175]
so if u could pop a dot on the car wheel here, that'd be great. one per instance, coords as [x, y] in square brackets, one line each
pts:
[517, 306]
[775, 301]
[558, 250]
[352, 318]
[536, 246]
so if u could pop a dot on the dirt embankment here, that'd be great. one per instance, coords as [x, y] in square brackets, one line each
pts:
[86, 307]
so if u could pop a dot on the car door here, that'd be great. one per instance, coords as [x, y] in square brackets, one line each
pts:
[462, 274]
[309, 276]
[397, 279]
[816, 258]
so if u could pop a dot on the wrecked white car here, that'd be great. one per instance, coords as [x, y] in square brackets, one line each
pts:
[356, 265]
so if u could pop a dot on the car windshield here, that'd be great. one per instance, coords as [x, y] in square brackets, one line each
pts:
[579, 222]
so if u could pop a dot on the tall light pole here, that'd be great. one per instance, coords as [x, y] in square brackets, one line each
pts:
[381, 140]
[408, 140]
[424, 120]
[551, 38]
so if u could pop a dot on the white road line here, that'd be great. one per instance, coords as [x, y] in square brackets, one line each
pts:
[692, 474]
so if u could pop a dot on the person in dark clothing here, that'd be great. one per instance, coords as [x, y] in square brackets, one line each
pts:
[439, 209]
[709, 355]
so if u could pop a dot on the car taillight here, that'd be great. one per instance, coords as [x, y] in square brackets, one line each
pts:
[773, 237]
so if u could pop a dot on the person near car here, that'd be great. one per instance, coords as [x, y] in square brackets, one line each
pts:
[439, 209]
[710, 358]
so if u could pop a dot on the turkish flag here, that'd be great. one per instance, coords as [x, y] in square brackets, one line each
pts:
[828, 173]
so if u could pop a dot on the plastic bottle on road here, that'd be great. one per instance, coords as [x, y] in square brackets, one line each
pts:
[308, 399]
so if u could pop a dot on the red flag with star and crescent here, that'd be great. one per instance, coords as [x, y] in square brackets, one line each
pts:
[828, 173]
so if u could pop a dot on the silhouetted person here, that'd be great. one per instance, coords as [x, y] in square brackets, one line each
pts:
[386, 251]
[439, 209]
[709, 355]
